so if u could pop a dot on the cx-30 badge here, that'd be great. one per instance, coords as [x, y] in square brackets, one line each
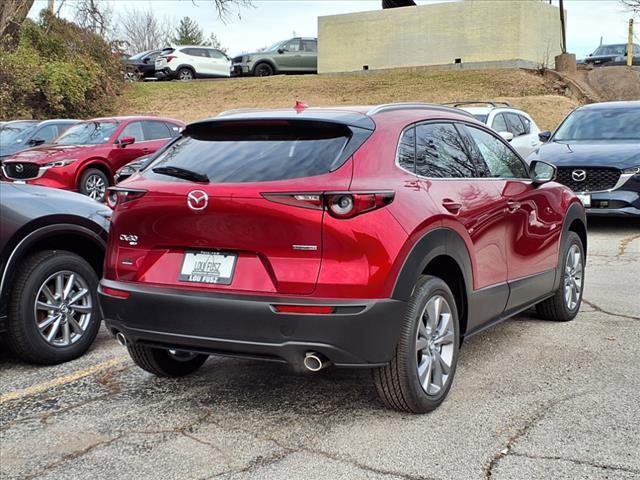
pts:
[197, 200]
[579, 175]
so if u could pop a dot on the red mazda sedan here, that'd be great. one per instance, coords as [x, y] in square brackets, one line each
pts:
[87, 155]
[375, 238]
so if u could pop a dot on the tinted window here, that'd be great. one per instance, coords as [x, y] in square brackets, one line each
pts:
[195, 52]
[174, 130]
[407, 150]
[517, 127]
[440, 152]
[293, 46]
[255, 153]
[600, 124]
[611, 50]
[48, 133]
[310, 45]
[88, 133]
[499, 123]
[500, 161]
[213, 53]
[134, 129]
[156, 131]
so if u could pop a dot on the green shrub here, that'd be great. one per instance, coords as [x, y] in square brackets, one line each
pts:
[58, 70]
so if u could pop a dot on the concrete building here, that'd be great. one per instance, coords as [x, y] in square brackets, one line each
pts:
[469, 33]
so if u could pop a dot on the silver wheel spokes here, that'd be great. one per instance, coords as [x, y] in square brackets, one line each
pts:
[95, 187]
[573, 277]
[434, 345]
[63, 308]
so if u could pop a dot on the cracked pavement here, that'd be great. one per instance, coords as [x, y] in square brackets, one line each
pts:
[531, 399]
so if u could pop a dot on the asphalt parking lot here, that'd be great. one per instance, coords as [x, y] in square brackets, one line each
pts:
[531, 399]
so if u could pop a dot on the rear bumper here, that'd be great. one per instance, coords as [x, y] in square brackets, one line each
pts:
[361, 333]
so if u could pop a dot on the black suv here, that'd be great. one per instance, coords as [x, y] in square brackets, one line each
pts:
[52, 245]
[597, 152]
[613, 55]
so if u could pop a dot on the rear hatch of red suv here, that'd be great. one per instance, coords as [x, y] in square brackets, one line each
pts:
[235, 204]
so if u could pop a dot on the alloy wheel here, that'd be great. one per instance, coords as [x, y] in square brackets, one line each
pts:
[434, 345]
[186, 75]
[63, 308]
[95, 187]
[573, 277]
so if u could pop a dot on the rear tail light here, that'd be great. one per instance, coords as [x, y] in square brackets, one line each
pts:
[169, 58]
[119, 195]
[339, 204]
[308, 309]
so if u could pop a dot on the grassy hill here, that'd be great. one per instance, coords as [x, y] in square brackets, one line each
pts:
[200, 99]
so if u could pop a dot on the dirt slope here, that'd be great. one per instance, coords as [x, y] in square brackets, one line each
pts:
[200, 99]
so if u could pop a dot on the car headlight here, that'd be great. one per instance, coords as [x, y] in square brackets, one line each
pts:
[60, 163]
[632, 171]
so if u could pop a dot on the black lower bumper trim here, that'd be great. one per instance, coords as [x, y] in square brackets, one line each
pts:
[239, 325]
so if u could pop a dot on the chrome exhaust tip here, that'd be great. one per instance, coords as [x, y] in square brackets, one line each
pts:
[314, 362]
[121, 339]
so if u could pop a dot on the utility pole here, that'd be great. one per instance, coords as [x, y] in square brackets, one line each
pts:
[630, 47]
[563, 27]
[50, 6]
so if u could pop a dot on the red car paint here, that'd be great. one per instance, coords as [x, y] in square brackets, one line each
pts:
[510, 227]
[108, 156]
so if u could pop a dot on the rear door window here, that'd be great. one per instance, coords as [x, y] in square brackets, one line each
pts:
[134, 129]
[174, 130]
[310, 45]
[256, 152]
[155, 130]
[516, 125]
[441, 153]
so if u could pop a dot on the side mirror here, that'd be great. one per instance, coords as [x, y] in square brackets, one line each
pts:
[542, 172]
[36, 141]
[508, 136]
[281, 51]
[124, 141]
[544, 136]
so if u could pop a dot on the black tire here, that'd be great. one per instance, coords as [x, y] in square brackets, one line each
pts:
[185, 74]
[398, 384]
[263, 69]
[162, 363]
[555, 308]
[23, 336]
[94, 184]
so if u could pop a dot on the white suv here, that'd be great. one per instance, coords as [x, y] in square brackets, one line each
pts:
[187, 62]
[512, 124]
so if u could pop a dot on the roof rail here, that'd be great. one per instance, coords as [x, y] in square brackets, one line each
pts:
[387, 107]
[479, 102]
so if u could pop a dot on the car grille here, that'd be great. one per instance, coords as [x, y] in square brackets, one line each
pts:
[21, 171]
[595, 179]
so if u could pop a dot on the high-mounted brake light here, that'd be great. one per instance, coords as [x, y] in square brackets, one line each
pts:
[338, 204]
[308, 309]
[119, 195]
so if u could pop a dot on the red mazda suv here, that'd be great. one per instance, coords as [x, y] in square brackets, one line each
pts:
[359, 237]
[87, 155]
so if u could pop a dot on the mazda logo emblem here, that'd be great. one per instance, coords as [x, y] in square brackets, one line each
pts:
[19, 168]
[197, 200]
[579, 175]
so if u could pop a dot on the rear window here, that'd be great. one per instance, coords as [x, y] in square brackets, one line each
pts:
[250, 152]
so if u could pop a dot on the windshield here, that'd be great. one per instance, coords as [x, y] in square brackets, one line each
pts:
[600, 124]
[138, 56]
[611, 50]
[275, 46]
[88, 133]
[16, 133]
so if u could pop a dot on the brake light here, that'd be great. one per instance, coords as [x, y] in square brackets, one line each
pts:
[119, 195]
[339, 204]
[308, 309]
[170, 57]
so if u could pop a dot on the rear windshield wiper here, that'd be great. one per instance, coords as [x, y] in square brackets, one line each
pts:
[182, 173]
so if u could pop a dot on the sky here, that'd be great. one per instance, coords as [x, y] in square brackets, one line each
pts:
[269, 21]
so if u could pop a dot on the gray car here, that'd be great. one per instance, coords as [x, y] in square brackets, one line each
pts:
[296, 55]
[19, 135]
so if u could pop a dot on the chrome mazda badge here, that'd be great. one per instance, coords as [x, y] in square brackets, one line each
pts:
[197, 200]
[19, 168]
[579, 175]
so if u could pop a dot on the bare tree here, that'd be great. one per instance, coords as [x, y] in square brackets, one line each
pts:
[12, 14]
[226, 8]
[142, 30]
[94, 15]
[633, 5]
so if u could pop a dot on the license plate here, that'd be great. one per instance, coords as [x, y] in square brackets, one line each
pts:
[584, 198]
[207, 267]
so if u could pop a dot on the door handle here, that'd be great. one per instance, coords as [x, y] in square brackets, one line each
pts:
[451, 205]
[513, 206]
[146, 150]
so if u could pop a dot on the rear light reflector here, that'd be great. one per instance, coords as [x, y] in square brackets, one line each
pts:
[112, 292]
[308, 309]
